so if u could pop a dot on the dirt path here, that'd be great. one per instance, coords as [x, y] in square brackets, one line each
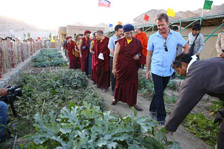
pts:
[185, 138]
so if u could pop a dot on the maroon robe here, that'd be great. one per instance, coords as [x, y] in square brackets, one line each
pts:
[94, 58]
[85, 55]
[71, 57]
[103, 66]
[127, 71]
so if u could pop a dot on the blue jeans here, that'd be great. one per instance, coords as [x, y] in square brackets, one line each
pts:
[157, 103]
[3, 118]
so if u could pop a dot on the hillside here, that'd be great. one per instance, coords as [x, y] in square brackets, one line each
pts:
[179, 15]
[18, 28]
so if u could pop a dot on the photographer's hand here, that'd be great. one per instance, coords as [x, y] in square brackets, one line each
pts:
[3, 91]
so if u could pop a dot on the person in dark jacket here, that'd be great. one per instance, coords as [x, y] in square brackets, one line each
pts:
[202, 77]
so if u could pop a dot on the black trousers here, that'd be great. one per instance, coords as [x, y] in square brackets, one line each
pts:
[112, 77]
[157, 104]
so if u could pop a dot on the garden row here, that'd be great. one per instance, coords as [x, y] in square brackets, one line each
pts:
[48, 58]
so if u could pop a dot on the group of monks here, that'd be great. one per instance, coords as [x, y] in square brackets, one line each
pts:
[127, 57]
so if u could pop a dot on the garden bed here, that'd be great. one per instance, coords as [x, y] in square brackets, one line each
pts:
[48, 58]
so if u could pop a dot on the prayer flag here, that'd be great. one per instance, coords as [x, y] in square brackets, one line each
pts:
[119, 22]
[208, 4]
[110, 25]
[104, 3]
[146, 18]
[170, 12]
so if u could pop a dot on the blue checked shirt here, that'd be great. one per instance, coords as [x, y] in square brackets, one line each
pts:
[161, 60]
[111, 44]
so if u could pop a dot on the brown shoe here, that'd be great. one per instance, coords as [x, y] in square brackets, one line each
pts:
[114, 102]
[138, 108]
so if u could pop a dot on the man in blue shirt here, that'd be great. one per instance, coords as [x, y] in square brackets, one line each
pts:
[161, 53]
[111, 45]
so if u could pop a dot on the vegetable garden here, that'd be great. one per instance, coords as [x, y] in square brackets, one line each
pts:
[59, 110]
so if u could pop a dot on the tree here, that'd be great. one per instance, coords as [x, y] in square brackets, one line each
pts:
[28, 35]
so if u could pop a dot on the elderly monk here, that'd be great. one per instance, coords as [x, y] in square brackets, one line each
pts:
[102, 61]
[144, 41]
[125, 67]
[84, 54]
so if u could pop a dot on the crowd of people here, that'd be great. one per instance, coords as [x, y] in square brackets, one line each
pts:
[116, 60]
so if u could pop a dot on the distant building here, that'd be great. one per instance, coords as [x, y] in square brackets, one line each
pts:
[71, 30]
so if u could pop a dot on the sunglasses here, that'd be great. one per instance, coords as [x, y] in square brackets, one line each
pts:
[165, 46]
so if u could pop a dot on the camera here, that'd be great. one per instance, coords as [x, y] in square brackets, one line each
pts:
[13, 93]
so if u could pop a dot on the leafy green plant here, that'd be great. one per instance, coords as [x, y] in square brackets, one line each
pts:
[47, 91]
[48, 58]
[145, 86]
[88, 127]
[172, 85]
[180, 77]
[170, 100]
[216, 105]
[202, 127]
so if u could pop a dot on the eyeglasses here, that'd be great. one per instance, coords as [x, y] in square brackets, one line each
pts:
[165, 46]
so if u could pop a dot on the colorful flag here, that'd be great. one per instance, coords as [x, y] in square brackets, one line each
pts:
[110, 25]
[146, 18]
[170, 12]
[119, 22]
[208, 5]
[104, 3]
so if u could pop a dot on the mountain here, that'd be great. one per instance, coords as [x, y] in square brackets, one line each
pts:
[10, 26]
[139, 20]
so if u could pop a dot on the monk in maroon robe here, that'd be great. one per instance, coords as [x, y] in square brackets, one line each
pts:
[125, 67]
[70, 47]
[76, 52]
[84, 54]
[103, 61]
[94, 58]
